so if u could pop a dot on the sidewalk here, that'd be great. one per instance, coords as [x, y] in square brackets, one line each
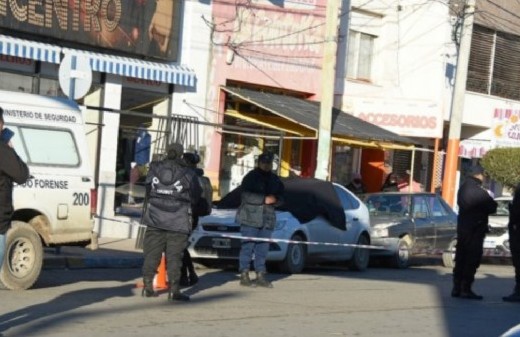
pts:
[112, 253]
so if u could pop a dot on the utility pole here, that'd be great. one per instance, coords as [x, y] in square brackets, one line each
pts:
[327, 89]
[457, 104]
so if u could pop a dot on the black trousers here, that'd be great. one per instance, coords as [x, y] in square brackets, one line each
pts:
[514, 245]
[468, 254]
[157, 241]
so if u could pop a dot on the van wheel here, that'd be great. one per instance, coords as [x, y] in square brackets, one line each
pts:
[23, 258]
[448, 256]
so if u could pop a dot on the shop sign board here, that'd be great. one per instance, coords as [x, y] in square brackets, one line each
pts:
[140, 27]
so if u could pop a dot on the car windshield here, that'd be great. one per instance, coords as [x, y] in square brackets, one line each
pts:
[503, 207]
[388, 205]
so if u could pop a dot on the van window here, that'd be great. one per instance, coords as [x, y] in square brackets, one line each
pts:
[50, 147]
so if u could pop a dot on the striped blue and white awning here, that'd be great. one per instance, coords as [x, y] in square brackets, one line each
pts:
[169, 73]
[123, 66]
[29, 49]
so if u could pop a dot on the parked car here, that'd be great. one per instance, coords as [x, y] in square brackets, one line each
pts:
[314, 211]
[409, 224]
[496, 243]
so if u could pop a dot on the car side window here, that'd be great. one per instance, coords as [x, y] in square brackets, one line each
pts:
[437, 208]
[347, 201]
[420, 207]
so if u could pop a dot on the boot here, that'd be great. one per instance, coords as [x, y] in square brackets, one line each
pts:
[148, 287]
[455, 292]
[193, 278]
[467, 293]
[184, 281]
[245, 280]
[175, 295]
[261, 281]
[514, 297]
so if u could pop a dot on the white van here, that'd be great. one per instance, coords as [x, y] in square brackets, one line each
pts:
[56, 205]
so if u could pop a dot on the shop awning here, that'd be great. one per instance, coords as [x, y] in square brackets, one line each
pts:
[29, 49]
[304, 116]
[124, 66]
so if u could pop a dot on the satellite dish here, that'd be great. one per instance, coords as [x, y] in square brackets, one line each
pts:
[75, 76]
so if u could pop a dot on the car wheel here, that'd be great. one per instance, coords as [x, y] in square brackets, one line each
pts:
[361, 256]
[23, 258]
[294, 261]
[448, 256]
[401, 258]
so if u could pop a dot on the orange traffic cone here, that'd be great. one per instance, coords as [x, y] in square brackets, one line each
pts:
[160, 282]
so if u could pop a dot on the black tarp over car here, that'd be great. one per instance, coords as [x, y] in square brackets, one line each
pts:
[304, 198]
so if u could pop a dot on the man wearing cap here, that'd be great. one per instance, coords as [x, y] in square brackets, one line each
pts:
[12, 169]
[262, 191]
[475, 206]
[172, 190]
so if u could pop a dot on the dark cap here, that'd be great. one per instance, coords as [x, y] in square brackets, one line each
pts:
[191, 158]
[475, 170]
[174, 150]
[266, 158]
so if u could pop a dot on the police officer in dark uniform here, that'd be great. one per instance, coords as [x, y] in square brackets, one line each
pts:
[514, 243]
[172, 191]
[475, 206]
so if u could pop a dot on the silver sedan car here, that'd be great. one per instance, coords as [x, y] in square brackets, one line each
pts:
[307, 229]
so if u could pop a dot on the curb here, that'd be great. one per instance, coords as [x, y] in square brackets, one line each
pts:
[86, 263]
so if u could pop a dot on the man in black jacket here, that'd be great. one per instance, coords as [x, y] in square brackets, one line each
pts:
[12, 169]
[475, 206]
[262, 190]
[172, 191]
[514, 243]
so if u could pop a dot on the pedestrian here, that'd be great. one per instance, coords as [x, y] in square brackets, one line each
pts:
[404, 184]
[262, 191]
[172, 190]
[514, 243]
[356, 185]
[391, 183]
[475, 206]
[188, 275]
[12, 170]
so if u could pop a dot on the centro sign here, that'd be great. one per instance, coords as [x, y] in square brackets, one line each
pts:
[41, 13]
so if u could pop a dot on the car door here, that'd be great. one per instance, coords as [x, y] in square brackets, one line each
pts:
[322, 232]
[424, 225]
[445, 222]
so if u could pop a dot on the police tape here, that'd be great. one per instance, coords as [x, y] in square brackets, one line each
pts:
[253, 238]
[486, 252]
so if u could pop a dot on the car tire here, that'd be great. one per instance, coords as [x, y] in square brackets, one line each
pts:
[294, 261]
[401, 258]
[361, 257]
[448, 256]
[23, 259]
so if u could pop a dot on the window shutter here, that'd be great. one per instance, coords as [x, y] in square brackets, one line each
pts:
[506, 67]
[480, 60]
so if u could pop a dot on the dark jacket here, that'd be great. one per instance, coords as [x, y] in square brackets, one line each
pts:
[475, 206]
[514, 208]
[256, 185]
[172, 191]
[12, 169]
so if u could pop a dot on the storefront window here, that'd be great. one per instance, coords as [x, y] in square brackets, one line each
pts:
[15, 82]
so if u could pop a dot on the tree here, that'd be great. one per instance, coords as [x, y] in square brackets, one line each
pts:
[503, 165]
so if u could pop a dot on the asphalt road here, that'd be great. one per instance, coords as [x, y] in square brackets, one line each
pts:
[320, 302]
